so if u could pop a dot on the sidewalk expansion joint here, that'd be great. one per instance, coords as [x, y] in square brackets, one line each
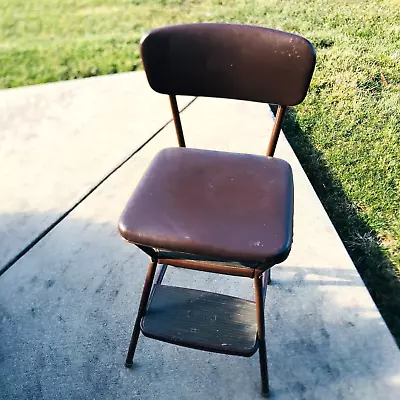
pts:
[44, 233]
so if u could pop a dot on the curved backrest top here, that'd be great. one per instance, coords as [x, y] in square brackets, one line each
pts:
[231, 61]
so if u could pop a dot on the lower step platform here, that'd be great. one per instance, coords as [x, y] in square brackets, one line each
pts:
[201, 320]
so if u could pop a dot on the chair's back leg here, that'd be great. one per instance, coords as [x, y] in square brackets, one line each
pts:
[177, 121]
[276, 131]
[148, 283]
[266, 281]
[259, 291]
[161, 274]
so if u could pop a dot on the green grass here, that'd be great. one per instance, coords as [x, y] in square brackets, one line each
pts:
[346, 133]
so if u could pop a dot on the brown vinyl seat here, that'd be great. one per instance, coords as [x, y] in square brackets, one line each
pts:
[214, 211]
[215, 204]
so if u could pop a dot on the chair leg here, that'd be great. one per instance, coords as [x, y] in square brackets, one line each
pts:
[161, 274]
[148, 283]
[259, 291]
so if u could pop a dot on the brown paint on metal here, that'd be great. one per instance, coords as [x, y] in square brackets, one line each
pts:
[177, 121]
[276, 130]
[258, 286]
[148, 283]
[209, 267]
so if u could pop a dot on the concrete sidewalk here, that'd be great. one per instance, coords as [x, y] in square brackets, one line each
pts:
[59, 140]
[67, 307]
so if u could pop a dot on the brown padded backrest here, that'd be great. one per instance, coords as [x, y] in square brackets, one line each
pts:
[230, 61]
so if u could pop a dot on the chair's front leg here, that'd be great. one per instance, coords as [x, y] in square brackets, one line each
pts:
[258, 285]
[148, 283]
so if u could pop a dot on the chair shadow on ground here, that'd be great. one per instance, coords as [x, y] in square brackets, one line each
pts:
[67, 309]
[362, 243]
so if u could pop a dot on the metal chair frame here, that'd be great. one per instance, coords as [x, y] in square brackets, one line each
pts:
[261, 277]
[260, 273]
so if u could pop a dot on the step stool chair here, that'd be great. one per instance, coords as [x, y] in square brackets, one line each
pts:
[213, 211]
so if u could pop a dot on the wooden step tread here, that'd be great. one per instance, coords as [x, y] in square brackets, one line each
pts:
[201, 320]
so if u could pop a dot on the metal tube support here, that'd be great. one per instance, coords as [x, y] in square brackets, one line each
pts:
[266, 280]
[280, 114]
[258, 285]
[149, 251]
[161, 274]
[177, 121]
[148, 283]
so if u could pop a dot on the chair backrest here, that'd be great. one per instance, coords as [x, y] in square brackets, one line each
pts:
[229, 61]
